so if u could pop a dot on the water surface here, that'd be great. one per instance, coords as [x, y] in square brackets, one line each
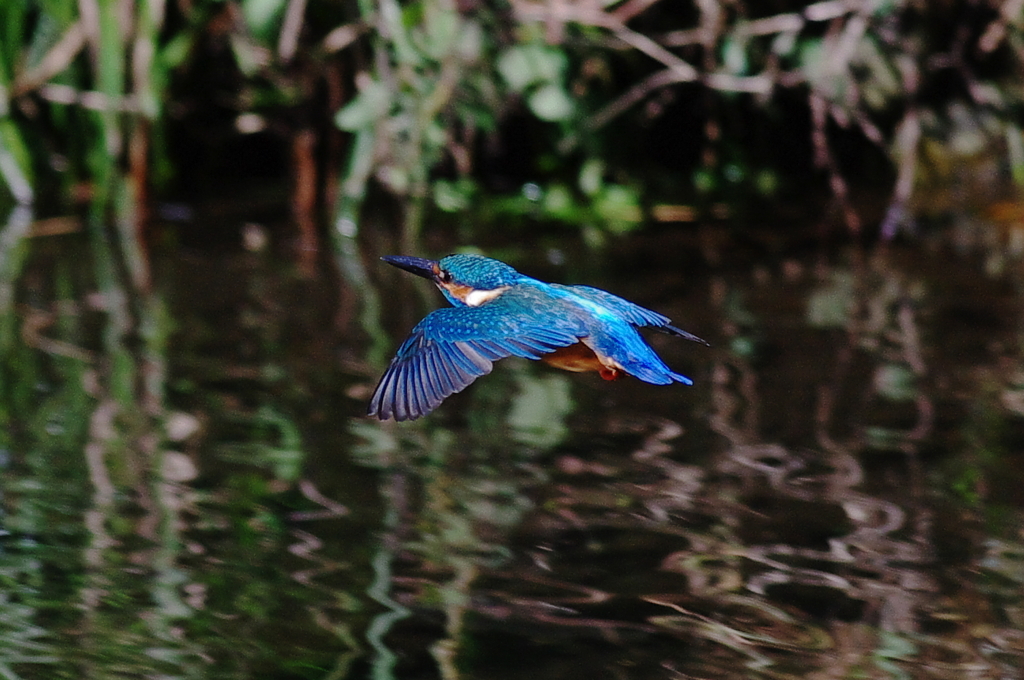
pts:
[190, 488]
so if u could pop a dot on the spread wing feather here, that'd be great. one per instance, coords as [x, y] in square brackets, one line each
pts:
[452, 347]
[633, 313]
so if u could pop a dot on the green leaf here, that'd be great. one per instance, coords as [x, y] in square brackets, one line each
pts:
[734, 56]
[813, 63]
[470, 41]
[551, 103]
[176, 50]
[366, 109]
[14, 21]
[453, 196]
[440, 33]
[830, 305]
[1015, 149]
[895, 382]
[894, 647]
[261, 16]
[514, 67]
[883, 438]
[559, 204]
[15, 162]
[250, 56]
[619, 207]
[783, 43]
[526, 65]
[704, 181]
[592, 176]
[743, 346]
[766, 182]
[549, 63]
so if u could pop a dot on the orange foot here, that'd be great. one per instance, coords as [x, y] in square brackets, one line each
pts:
[610, 373]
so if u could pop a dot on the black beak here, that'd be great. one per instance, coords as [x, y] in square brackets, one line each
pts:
[417, 265]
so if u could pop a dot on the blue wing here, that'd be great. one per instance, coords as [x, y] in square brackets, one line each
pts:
[631, 312]
[452, 347]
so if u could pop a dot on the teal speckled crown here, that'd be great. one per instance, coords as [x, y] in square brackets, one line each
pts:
[477, 271]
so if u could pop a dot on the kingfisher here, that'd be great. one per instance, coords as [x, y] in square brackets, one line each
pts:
[497, 312]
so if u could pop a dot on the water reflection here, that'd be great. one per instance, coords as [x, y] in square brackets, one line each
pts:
[189, 488]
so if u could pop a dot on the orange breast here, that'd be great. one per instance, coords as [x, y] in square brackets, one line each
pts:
[579, 358]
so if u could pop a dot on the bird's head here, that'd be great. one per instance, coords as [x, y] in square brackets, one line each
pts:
[464, 279]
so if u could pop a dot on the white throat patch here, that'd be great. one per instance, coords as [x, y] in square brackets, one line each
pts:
[475, 298]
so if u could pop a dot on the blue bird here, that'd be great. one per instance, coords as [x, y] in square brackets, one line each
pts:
[498, 312]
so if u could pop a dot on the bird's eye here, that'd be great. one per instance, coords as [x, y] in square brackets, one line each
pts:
[444, 277]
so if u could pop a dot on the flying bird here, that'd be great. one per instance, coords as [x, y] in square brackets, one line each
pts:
[498, 312]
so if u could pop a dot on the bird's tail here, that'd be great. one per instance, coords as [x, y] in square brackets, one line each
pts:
[680, 378]
[627, 349]
[654, 371]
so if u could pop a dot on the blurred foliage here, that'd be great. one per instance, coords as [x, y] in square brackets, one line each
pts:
[557, 113]
[130, 550]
